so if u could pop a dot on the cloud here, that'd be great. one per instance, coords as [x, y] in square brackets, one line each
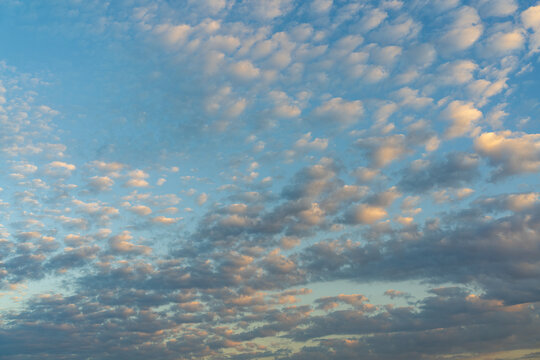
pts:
[396, 294]
[24, 168]
[173, 35]
[531, 20]
[509, 152]
[137, 179]
[382, 151]
[100, 183]
[244, 70]
[356, 300]
[306, 144]
[510, 202]
[59, 169]
[269, 9]
[463, 117]
[444, 305]
[340, 111]
[497, 7]
[367, 214]
[455, 170]
[372, 19]
[121, 244]
[305, 123]
[164, 220]
[409, 97]
[505, 42]
[202, 198]
[322, 6]
[457, 72]
[465, 30]
[141, 210]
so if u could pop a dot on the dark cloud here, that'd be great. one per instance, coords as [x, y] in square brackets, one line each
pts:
[455, 170]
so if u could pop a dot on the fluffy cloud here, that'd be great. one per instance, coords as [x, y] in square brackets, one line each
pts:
[121, 244]
[340, 111]
[304, 123]
[384, 150]
[137, 179]
[504, 42]
[173, 35]
[305, 143]
[457, 72]
[244, 70]
[531, 20]
[59, 169]
[465, 30]
[455, 170]
[510, 152]
[269, 9]
[100, 183]
[463, 117]
[498, 7]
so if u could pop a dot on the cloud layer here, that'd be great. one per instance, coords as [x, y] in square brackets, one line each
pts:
[269, 179]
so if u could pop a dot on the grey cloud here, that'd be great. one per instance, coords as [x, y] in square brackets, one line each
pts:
[488, 251]
[454, 170]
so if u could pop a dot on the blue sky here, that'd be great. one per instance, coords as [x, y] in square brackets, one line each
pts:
[269, 179]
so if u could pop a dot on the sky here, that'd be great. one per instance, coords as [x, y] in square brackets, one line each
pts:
[269, 179]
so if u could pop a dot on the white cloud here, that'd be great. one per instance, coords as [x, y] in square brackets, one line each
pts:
[384, 150]
[306, 144]
[140, 210]
[164, 220]
[59, 169]
[212, 6]
[457, 72]
[410, 97]
[531, 20]
[511, 152]
[312, 216]
[497, 7]
[224, 43]
[137, 179]
[372, 19]
[482, 89]
[121, 243]
[464, 31]
[106, 167]
[340, 111]
[520, 202]
[284, 106]
[202, 198]
[402, 29]
[213, 62]
[100, 183]
[504, 42]
[321, 6]
[463, 117]
[244, 70]
[269, 9]
[173, 35]
[24, 168]
[368, 214]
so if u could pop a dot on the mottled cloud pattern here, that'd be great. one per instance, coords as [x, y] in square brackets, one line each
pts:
[270, 179]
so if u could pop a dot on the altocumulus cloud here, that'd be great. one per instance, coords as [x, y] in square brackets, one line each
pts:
[270, 179]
